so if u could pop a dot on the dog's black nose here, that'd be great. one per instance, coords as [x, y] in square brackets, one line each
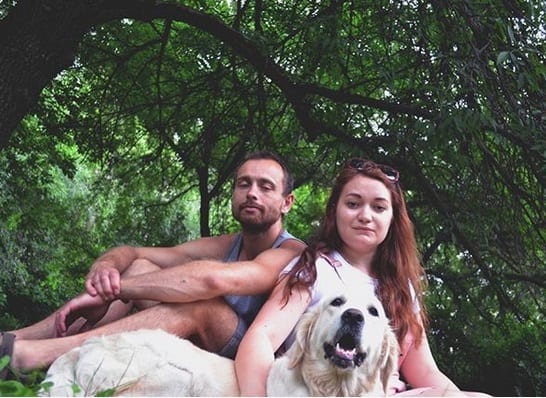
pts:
[353, 316]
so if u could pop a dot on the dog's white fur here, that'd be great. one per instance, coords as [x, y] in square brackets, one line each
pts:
[304, 370]
[156, 363]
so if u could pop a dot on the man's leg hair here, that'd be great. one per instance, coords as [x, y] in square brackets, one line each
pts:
[210, 323]
[45, 328]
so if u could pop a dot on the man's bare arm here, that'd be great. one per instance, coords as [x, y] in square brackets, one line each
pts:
[92, 308]
[105, 274]
[122, 257]
[200, 280]
[197, 280]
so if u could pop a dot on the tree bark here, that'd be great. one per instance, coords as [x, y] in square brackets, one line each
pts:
[38, 40]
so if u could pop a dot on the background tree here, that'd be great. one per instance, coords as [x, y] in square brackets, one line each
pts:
[127, 118]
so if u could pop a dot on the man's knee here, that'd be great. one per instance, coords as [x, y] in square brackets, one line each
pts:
[140, 266]
[215, 324]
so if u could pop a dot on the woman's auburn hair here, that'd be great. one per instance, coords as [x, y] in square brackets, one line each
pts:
[396, 264]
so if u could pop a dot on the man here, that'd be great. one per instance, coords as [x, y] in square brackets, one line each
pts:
[202, 296]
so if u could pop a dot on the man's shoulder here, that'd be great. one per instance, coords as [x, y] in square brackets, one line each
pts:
[293, 243]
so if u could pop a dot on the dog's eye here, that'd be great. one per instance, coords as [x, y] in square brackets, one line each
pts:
[338, 301]
[373, 311]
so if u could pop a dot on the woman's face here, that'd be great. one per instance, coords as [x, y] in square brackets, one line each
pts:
[363, 215]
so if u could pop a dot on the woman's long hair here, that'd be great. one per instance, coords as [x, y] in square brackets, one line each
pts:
[396, 263]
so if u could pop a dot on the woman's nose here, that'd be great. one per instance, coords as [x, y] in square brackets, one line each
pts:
[365, 213]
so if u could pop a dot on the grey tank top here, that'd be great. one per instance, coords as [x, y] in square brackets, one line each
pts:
[247, 307]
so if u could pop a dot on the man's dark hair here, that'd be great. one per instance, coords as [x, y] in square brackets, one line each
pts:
[288, 179]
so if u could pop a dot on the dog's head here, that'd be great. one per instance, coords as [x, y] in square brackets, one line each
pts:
[350, 338]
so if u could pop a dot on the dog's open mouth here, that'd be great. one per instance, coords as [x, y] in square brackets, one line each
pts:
[344, 352]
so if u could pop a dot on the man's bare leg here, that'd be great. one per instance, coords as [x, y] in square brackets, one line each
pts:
[212, 322]
[45, 329]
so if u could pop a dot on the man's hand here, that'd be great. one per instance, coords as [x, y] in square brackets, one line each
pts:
[91, 308]
[104, 282]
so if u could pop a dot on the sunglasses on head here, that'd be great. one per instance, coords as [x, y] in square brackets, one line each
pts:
[363, 164]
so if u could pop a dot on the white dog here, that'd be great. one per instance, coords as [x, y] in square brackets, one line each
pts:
[343, 347]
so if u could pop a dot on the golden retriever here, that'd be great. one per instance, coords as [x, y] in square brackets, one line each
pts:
[344, 346]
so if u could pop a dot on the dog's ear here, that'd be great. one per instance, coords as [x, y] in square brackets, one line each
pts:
[389, 358]
[304, 330]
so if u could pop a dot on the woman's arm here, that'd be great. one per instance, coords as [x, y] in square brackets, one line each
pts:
[420, 369]
[271, 327]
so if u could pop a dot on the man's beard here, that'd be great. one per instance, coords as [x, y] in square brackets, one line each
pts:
[255, 226]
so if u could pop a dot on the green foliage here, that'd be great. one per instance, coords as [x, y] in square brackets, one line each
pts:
[308, 210]
[20, 386]
[13, 388]
[31, 385]
[137, 141]
[46, 256]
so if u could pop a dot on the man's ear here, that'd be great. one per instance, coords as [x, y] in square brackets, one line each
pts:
[287, 203]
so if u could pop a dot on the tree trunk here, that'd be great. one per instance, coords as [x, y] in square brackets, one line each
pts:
[38, 39]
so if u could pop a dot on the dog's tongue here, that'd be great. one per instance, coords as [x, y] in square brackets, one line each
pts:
[346, 354]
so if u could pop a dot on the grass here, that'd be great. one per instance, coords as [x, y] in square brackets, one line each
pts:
[19, 387]
[30, 384]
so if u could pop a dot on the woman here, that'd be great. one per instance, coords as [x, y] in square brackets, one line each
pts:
[365, 240]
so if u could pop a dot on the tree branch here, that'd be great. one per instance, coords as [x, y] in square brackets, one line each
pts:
[25, 26]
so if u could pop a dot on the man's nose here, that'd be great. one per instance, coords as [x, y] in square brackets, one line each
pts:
[252, 191]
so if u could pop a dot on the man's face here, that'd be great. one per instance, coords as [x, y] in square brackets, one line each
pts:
[257, 200]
